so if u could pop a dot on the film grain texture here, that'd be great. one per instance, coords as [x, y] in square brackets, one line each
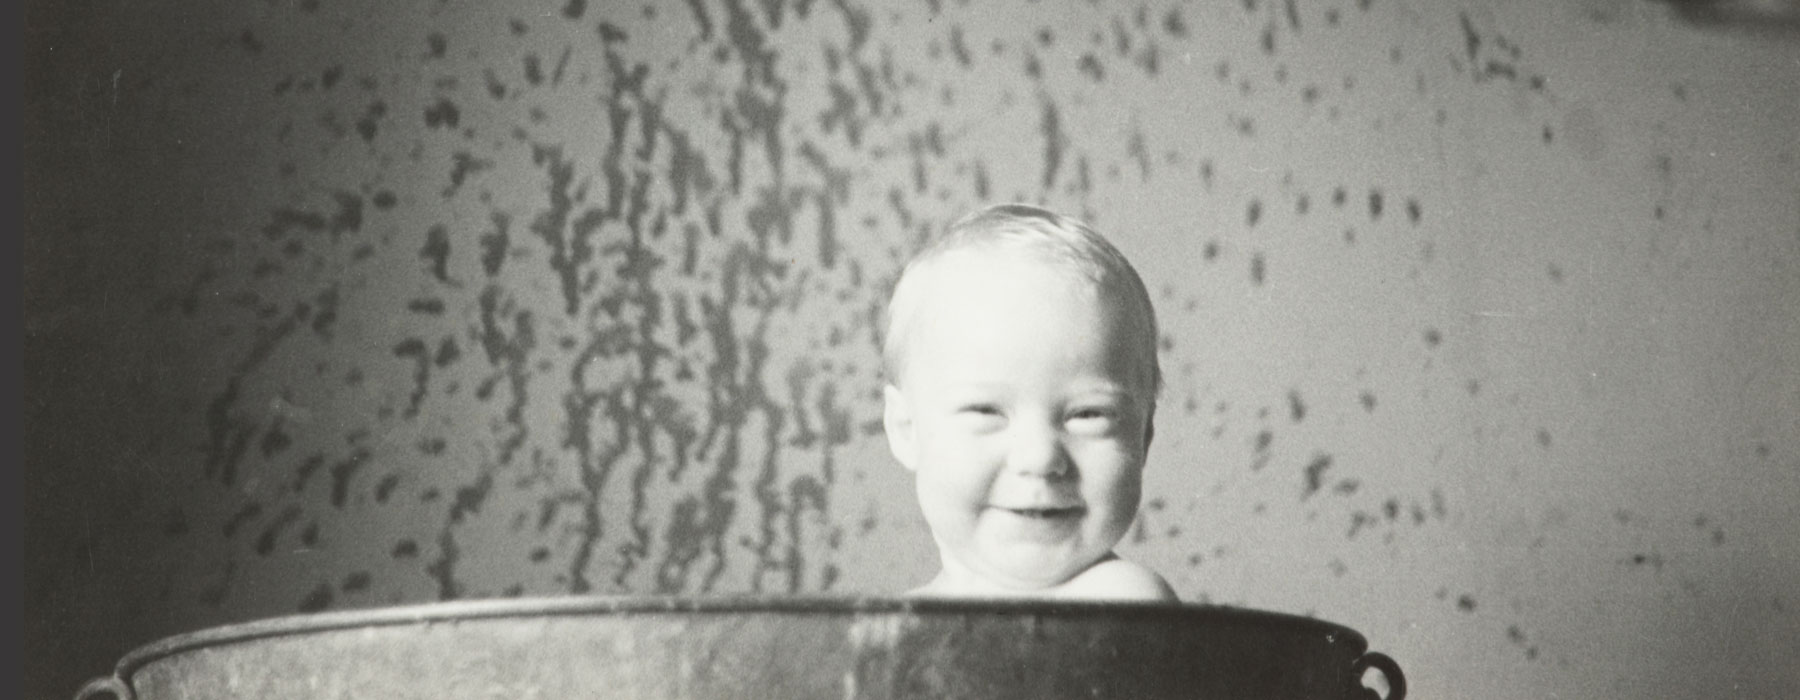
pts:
[1480, 326]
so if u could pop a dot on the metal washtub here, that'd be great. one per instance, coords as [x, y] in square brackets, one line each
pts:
[760, 647]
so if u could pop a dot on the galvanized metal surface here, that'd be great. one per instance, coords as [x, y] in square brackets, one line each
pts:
[657, 648]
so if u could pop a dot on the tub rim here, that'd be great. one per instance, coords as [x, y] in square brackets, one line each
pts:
[812, 604]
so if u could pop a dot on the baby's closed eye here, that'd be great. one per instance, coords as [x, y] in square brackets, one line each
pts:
[981, 415]
[1093, 419]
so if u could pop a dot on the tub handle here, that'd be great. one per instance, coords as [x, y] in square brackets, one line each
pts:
[1389, 670]
[106, 686]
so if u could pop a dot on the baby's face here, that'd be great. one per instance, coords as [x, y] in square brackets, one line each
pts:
[1024, 410]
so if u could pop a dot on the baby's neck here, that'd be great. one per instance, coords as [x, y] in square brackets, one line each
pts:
[1110, 578]
[954, 581]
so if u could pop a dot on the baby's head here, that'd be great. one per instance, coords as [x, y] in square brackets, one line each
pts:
[1021, 356]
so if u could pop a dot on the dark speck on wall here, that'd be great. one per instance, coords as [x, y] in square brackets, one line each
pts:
[1653, 560]
[1465, 603]
[1315, 474]
[1174, 24]
[243, 515]
[318, 599]
[443, 113]
[356, 581]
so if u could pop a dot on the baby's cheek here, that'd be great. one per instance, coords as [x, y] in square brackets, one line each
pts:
[951, 487]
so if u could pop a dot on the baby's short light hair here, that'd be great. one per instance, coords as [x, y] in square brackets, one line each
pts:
[1061, 242]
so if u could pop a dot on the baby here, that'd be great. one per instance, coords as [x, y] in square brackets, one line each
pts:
[1021, 354]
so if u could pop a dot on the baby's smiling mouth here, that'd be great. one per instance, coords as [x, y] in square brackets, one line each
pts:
[1045, 513]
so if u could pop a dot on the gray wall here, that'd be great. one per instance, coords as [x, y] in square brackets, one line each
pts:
[1480, 318]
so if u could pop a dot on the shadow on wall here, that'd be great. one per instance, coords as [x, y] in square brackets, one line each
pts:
[1750, 16]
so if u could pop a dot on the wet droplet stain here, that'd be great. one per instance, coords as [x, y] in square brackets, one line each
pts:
[243, 516]
[1432, 337]
[1256, 269]
[1315, 474]
[356, 582]
[443, 114]
[1651, 560]
[1517, 637]
[318, 599]
[1465, 603]
[1375, 205]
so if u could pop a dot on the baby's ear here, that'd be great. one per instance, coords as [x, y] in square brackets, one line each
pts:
[897, 418]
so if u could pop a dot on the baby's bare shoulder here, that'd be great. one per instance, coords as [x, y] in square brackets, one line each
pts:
[1120, 579]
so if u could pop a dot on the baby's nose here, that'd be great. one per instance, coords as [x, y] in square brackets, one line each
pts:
[1039, 452]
